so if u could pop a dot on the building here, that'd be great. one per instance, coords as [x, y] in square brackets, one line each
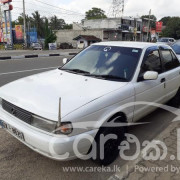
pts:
[68, 36]
[110, 29]
[84, 41]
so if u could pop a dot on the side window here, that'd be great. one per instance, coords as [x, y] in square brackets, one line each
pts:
[169, 60]
[171, 40]
[175, 59]
[152, 62]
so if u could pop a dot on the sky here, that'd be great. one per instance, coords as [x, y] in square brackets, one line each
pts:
[160, 8]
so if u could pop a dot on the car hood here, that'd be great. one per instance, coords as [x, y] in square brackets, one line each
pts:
[39, 94]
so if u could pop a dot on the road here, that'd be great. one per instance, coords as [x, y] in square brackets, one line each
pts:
[19, 162]
[27, 52]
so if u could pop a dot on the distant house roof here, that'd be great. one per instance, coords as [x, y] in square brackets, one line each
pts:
[88, 38]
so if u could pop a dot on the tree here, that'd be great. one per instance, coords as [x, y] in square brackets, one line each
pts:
[165, 20]
[172, 28]
[95, 13]
[50, 37]
[68, 26]
[39, 23]
[152, 17]
[57, 24]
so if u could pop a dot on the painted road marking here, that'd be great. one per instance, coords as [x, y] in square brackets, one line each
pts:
[7, 73]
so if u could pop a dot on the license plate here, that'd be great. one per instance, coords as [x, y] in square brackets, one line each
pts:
[12, 130]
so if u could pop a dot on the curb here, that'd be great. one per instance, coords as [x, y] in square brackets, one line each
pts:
[128, 168]
[35, 56]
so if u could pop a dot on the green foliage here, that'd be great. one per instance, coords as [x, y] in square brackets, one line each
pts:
[56, 24]
[68, 26]
[18, 46]
[40, 23]
[172, 28]
[152, 17]
[95, 13]
[50, 37]
[2, 47]
[165, 20]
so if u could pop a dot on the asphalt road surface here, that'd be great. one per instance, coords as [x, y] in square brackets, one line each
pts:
[19, 162]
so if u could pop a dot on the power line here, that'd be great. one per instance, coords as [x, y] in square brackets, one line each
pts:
[59, 7]
[47, 12]
[47, 4]
[53, 10]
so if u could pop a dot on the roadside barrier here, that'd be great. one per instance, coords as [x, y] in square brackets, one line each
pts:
[34, 56]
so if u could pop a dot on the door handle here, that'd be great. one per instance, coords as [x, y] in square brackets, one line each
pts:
[163, 80]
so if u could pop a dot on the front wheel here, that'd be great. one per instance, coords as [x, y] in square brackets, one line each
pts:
[109, 152]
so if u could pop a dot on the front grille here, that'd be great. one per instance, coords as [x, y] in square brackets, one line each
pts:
[17, 112]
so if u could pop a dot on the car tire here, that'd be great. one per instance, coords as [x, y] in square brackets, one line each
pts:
[175, 102]
[111, 147]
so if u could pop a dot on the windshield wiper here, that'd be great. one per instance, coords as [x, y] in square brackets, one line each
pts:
[107, 77]
[76, 71]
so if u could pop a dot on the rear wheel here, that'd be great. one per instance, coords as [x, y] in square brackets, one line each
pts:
[175, 102]
[111, 146]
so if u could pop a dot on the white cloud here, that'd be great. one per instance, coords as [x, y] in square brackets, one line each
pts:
[160, 8]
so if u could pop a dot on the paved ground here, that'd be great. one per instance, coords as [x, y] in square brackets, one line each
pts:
[19, 162]
[166, 169]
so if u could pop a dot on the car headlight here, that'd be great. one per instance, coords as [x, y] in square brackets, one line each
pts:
[65, 128]
[43, 124]
[51, 126]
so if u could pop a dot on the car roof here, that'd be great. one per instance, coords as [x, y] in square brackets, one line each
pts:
[166, 38]
[130, 44]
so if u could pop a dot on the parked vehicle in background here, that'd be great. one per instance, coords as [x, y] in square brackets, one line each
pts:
[176, 48]
[66, 46]
[36, 46]
[166, 40]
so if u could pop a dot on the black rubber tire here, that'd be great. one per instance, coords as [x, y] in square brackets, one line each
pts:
[175, 102]
[111, 147]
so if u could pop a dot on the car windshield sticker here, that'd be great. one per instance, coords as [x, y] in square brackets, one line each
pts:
[107, 49]
[135, 51]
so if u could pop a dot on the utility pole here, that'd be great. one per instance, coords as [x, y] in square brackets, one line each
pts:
[148, 25]
[10, 23]
[24, 15]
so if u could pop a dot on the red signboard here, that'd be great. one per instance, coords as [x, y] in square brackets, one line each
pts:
[10, 7]
[159, 27]
[5, 1]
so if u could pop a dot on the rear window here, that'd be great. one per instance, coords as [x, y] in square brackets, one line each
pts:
[169, 61]
[176, 47]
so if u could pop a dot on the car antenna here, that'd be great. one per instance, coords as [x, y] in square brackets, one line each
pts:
[59, 113]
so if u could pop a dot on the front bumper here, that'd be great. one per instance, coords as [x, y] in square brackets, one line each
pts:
[57, 147]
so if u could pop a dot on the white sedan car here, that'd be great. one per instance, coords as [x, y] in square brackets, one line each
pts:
[62, 114]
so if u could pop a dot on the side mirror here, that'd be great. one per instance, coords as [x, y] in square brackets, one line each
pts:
[150, 75]
[65, 60]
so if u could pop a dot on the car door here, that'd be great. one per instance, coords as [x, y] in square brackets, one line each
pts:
[149, 90]
[171, 68]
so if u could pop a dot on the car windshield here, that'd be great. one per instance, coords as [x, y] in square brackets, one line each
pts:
[107, 62]
[163, 40]
[176, 47]
[36, 44]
